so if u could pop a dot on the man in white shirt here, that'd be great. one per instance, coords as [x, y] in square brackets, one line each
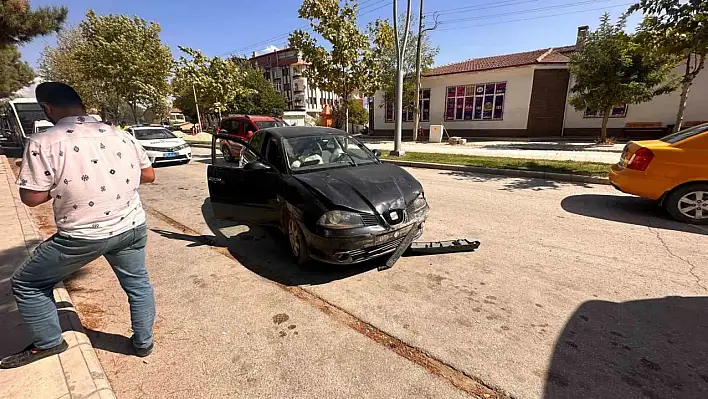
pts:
[92, 172]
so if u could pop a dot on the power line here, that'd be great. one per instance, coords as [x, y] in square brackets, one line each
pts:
[368, 8]
[566, 5]
[532, 18]
[461, 10]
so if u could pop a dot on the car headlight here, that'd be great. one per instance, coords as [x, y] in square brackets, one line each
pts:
[419, 203]
[340, 220]
[182, 147]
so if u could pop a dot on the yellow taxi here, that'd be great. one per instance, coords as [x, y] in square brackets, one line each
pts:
[672, 170]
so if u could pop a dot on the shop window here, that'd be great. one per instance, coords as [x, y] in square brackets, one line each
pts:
[484, 101]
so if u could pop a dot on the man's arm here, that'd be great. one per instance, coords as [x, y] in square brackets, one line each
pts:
[147, 175]
[33, 198]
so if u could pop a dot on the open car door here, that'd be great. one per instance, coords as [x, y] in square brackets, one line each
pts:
[242, 191]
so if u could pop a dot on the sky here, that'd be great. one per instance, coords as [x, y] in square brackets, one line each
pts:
[467, 29]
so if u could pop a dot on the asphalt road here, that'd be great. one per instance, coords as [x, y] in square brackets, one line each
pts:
[577, 291]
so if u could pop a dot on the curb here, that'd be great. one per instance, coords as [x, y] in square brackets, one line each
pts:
[83, 373]
[504, 172]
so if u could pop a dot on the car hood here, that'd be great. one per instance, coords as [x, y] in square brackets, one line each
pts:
[366, 188]
[162, 143]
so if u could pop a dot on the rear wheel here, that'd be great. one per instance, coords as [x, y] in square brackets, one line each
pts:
[298, 244]
[689, 204]
[226, 152]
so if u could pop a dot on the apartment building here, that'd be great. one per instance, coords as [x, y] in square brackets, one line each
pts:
[285, 69]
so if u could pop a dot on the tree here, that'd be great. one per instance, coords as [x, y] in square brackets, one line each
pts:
[677, 29]
[125, 56]
[59, 64]
[217, 81]
[612, 69]
[262, 98]
[19, 24]
[388, 62]
[357, 114]
[14, 73]
[350, 61]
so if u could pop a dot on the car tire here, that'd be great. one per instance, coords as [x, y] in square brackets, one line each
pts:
[296, 239]
[226, 152]
[682, 203]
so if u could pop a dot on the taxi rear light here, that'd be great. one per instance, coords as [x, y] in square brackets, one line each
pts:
[641, 159]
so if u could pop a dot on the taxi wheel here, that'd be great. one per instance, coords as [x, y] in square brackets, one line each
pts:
[689, 204]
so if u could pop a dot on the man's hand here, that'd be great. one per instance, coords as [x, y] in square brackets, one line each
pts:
[147, 175]
[34, 198]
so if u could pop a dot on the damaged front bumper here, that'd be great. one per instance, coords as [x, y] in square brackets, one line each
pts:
[360, 248]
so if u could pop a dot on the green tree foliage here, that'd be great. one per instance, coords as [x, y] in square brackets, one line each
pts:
[677, 29]
[428, 52]
[357, 114]
[218, 81]
[127, 55]
[261, 98]
[20, 24]
[112, 60]
[612, 69]
[14, 73]
[350, 59]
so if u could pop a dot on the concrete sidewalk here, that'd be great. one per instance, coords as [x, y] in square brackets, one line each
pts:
[76, 373]
[581, 152]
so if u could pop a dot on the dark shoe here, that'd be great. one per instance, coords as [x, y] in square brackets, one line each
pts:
[31, 354]
[142, 352]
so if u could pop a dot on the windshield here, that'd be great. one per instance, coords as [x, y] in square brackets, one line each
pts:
[28, 113]
[269, 124]
[326, 151]
[684, 134]
[153, 134]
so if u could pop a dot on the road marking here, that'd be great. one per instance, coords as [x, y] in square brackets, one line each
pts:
[460, 380]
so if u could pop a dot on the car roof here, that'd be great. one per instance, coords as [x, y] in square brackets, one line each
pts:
[299, 131]
[255, 118]
[146, 127]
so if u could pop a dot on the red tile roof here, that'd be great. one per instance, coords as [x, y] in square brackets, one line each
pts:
[542, 56]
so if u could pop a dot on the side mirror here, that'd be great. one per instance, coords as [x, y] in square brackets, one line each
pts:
[249, 134]
[255, 165]
[377, 153]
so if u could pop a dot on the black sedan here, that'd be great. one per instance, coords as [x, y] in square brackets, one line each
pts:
[325, 189]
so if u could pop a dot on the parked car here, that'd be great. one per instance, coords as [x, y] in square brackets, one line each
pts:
[325, 189]
[672, 170]
[161, 145]
[243, 127]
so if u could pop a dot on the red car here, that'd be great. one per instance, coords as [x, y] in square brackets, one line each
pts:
[243, 127]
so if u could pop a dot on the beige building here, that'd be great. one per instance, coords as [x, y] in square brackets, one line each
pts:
[526, 95]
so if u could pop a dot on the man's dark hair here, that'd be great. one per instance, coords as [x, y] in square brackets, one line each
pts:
[58, 95]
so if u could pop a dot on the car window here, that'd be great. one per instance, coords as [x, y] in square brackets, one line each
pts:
[325, 151]
[153, 134]
[269, 124]
[273, 154]
[256, 142]
[685, 134]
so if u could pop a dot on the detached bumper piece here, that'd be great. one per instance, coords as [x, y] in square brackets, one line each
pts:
[402, 247]
[442, 247]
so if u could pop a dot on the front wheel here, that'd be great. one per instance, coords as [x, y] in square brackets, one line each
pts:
[298, 244]
[689, 204]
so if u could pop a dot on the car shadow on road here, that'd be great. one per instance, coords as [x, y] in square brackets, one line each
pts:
[653, 348]
[625, 209]
[512, 183]
[265, 251]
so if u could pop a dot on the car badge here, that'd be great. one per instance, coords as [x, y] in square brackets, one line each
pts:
[396, 234]
[393, 215]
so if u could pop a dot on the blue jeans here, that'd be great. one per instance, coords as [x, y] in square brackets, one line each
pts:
[58, 257]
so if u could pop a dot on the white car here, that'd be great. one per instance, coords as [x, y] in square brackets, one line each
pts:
[161, 145]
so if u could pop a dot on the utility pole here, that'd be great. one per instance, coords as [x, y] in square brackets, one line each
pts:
[196, 104]
[421, 32]
[400, 53]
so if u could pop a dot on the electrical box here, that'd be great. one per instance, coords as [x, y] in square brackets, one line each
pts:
[436, 133]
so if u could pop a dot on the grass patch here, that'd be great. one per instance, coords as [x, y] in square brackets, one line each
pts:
[541, 165]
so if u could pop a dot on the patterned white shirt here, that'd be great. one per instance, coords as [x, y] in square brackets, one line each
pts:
[92, 171]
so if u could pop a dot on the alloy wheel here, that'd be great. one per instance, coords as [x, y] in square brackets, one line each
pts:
[294, 235]
[694, 205]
